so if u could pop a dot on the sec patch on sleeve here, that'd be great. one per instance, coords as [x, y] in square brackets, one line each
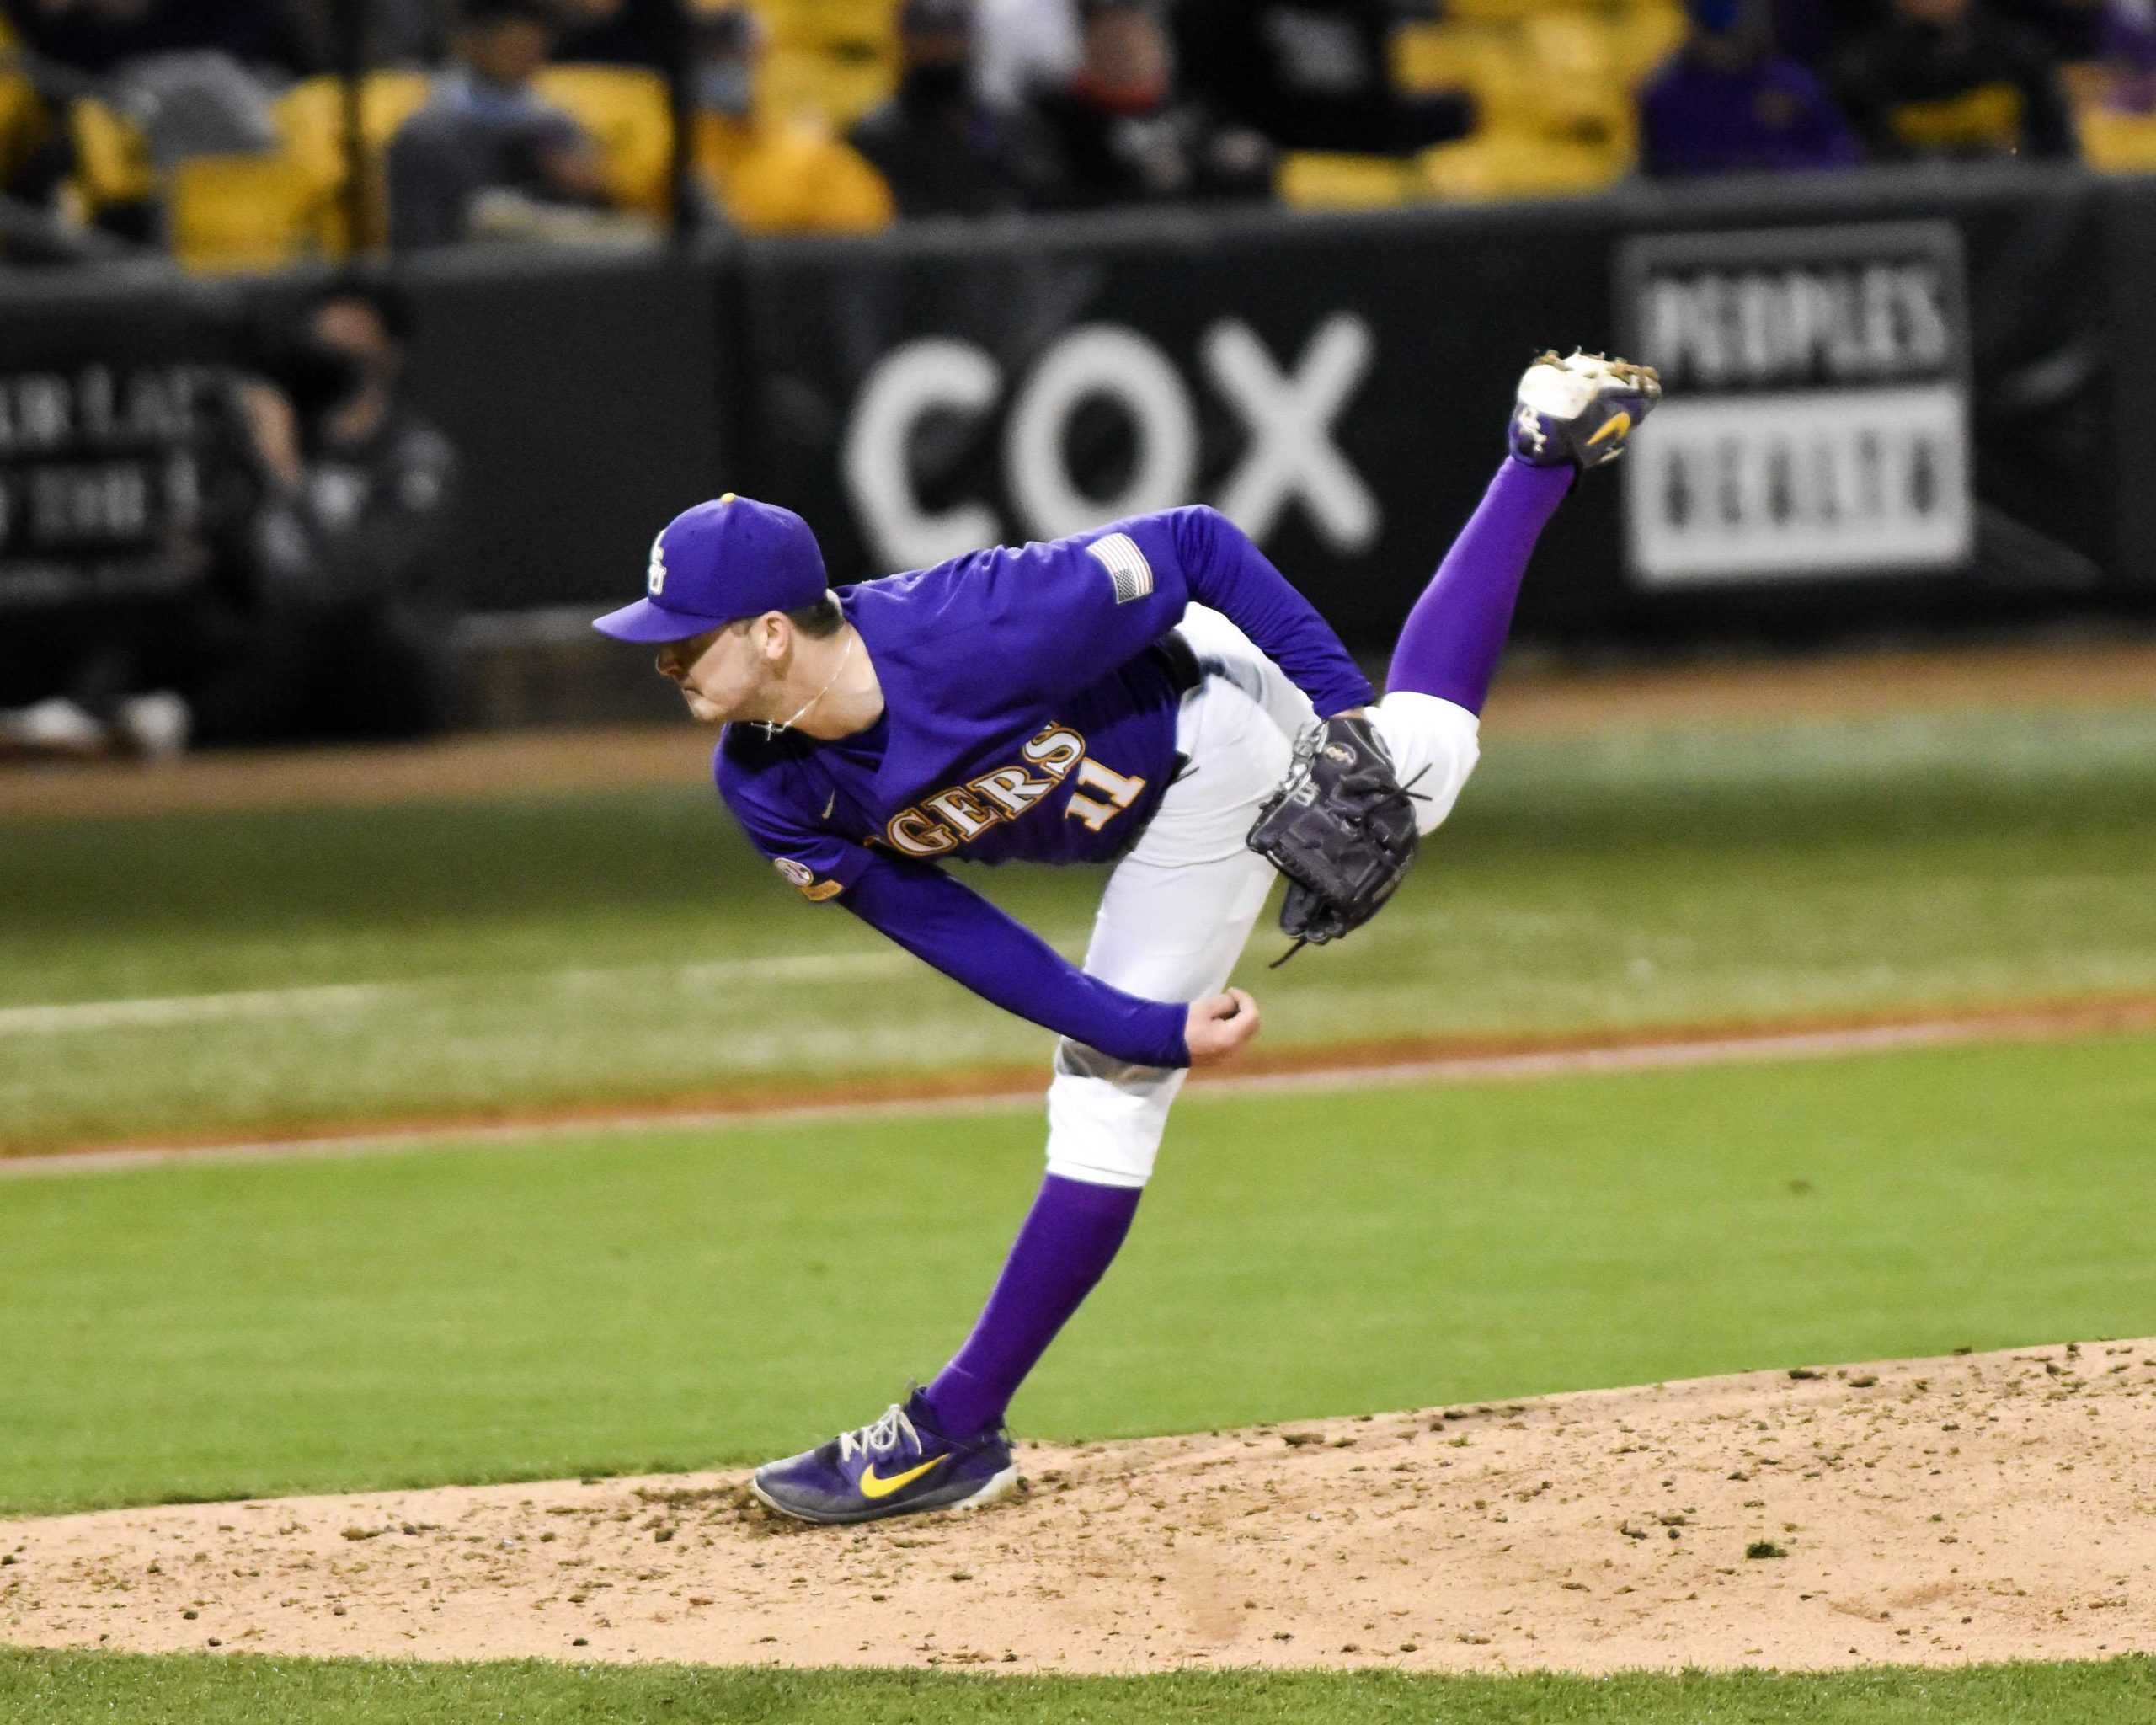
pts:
[803, 879]
[1120, 555]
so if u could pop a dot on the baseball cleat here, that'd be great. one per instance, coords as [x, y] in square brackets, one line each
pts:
[1582, 410]
[899, 1465]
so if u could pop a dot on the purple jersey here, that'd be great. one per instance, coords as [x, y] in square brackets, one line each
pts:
[1026, 714]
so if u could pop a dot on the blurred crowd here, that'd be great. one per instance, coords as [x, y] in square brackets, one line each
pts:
[220, 131]
[314, 597]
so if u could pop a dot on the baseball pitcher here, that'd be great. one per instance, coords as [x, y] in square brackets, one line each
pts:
[1153, 696]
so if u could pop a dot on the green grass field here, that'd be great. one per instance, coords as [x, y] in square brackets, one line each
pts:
[610, 1302]
[633, 1303]
[62, 1689]
[531, 954]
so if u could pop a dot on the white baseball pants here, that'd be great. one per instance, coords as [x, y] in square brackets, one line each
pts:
[1179, 906]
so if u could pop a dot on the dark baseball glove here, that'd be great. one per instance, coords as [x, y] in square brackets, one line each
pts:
[1341, 827]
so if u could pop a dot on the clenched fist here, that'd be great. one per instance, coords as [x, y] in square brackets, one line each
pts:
[1220, 1027]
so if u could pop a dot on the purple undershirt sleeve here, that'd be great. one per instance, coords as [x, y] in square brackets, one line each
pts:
[969, 940]
[1224, 569]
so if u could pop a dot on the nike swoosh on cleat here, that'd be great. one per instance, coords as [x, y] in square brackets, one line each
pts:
[1616, 428]
[872, 1489]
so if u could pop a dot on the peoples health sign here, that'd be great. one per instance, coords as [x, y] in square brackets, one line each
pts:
[1817, 423]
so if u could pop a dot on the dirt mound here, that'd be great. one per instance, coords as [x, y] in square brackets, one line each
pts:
[1986, 1507]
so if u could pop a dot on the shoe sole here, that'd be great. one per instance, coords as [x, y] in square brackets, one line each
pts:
[994, 1491]
[1628, 372]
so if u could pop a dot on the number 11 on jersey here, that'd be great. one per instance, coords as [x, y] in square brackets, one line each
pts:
[1120, 790]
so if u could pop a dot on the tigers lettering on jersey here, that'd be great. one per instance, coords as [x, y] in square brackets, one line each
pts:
[939, 824]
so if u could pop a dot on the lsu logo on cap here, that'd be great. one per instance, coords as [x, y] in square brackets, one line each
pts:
[654, 579]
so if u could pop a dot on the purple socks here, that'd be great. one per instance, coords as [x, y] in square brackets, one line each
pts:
[1070, 1238]
[1453, 636]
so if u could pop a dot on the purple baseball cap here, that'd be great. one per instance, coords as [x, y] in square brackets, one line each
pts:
[716, 563]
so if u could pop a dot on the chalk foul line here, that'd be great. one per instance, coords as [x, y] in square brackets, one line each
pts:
[1670, 1053]
[333, 1000]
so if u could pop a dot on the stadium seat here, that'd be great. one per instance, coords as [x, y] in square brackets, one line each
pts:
[836, 86]
[624, 109]
[1643, 36]
[1553, 87]
[310, 115]
[1579, 88]
[832, 59]
[1514, 165]
[22, 122]
[2117, 142]
[1455, 55]
[242, 212]
[112, 157]
[790, 176]
[310, 122]
[22, 114]
[1312, 179]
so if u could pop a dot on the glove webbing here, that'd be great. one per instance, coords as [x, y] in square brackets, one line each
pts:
[1408, 793]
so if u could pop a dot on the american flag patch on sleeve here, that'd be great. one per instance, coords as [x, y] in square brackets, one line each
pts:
[1120, 555]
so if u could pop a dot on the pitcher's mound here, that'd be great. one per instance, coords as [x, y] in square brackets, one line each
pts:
[1987, 1507]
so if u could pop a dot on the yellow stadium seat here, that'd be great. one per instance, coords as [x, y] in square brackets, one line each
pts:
[1553, 90]
[1494, 11]
[112, 156]
[1450, 56]
[1515, 165]
[624, 109]
[831, 60]
[1643, 36]
[310, 118]
[241, 212]
[23, 121]
[836, 88]
[1579, 91]
[2115, 142]
[23, 118]
[830, 24]
[778, 175]
[1313, 179]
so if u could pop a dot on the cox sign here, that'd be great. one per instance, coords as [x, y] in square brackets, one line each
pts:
[1288, 414]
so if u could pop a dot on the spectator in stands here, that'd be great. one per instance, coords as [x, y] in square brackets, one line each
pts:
[136, 85]
[1020, 46]
[1120, 132]
[766, 172]
[334, 609]
[100, 36]
[2072, 30]
[941, 150]
[1944, 80]
[487, 156]
[617, 32]
[1728, 103]
[2130, 54]
[315, 602]
[1314, 74]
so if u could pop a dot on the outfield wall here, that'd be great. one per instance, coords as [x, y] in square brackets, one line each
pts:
[1894, 396]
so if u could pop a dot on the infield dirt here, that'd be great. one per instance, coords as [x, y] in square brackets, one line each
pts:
[1943, 1511]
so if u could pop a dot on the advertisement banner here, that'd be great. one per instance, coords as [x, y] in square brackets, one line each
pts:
[1338, 388]
[1817, 422]
[103, 476]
